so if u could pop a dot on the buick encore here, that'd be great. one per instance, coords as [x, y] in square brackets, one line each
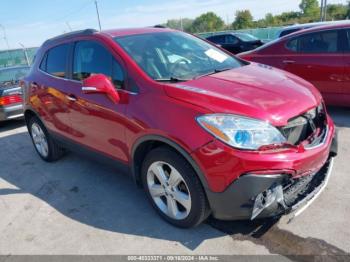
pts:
[203, 132]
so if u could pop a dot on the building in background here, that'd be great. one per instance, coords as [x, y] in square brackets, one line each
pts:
[16, 57]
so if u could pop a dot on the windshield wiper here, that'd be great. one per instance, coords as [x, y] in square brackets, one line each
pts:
[171, 79]
[213, 72]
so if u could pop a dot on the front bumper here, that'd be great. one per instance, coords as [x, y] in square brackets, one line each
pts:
[259, 196]
[11, 112]
[236, 178]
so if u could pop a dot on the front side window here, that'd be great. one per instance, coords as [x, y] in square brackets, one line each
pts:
[169, 56]
[320, 42]
[55, 61]
[92, 58]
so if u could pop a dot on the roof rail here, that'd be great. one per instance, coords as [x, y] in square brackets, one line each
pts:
[71, 34]
[159, 26]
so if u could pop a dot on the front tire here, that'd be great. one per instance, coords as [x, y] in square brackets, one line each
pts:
[43, 143]
[173, 188]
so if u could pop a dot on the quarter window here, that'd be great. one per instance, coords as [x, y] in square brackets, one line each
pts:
[321, 42]
[55, 61]
[92, 58]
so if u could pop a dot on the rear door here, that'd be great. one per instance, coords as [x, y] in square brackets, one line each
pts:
[50, 89]
[318, 58]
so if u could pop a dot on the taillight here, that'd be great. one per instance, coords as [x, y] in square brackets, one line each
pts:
[11, 99]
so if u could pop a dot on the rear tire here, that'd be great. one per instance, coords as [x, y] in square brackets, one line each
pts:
[173, 188]
[43, 143]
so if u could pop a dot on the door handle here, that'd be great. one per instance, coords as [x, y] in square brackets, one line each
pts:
[71, 97]
[288, 61]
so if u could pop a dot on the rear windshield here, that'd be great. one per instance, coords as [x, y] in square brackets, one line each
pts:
[168, 55]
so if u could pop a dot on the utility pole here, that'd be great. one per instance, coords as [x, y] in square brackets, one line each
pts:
[321, 10]
[5, 37]
[69, 27]
[181, 24]
[25, 53]
[325, 10]
[98, 15]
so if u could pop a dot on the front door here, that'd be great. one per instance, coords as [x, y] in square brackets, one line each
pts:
[97, 122]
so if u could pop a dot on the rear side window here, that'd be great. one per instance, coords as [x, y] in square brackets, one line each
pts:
[55, 61]
[320, 42]
[92, 58]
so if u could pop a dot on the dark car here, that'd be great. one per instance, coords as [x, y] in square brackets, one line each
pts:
[11, 92]
[202, 131]
[319, 55]
[236, 42]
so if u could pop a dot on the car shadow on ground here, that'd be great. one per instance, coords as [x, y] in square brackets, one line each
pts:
[94, 194]
[11, 124]
[340, 115]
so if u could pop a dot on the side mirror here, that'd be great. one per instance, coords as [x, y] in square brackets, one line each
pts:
[100, 83]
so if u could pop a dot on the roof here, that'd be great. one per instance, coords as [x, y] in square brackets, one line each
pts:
[135, 31]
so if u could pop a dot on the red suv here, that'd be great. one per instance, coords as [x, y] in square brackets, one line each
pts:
[202, 131]
[320, 55]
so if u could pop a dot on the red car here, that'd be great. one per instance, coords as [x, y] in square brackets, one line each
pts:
[202, 131]
[319, 55]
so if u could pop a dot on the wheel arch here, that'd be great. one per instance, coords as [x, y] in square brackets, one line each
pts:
[145, 144]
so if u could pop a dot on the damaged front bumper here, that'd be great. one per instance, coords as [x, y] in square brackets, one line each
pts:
[260, 196]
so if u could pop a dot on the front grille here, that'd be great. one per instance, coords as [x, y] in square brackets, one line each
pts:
[310, 125]
[297, 189]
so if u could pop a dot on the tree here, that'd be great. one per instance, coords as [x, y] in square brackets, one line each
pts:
[184, 24]
[337, 12]
[310, 9]
[244, 19]
[207, 22]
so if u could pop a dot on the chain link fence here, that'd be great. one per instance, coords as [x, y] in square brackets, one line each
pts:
[16, 57]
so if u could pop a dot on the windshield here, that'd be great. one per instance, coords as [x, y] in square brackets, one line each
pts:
[246, 37]
[175, 55]
[13, 74]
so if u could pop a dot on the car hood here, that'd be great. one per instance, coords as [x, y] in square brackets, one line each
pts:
[254, 90]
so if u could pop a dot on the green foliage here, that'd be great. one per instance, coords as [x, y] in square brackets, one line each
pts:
[207, 22]
[243, 20]
[184, 24]
[310, 9]
[309, 12]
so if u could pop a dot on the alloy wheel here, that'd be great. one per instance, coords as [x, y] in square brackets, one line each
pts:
[39, 139]
[169, 190]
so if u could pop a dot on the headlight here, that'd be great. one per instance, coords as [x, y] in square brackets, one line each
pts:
[241, 132]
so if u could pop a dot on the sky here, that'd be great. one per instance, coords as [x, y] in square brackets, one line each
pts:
[32, 22]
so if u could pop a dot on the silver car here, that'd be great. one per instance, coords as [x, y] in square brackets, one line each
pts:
[11, 92]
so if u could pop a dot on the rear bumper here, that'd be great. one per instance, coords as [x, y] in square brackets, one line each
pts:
[11, 112]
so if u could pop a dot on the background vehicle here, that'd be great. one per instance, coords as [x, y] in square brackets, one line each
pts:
[295, 28]
[202, 132]
[320, 55]
[10, 92]
[236, 42]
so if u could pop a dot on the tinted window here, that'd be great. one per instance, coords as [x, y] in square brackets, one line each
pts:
[92, 58]
[219, 39]
[56, 60]
[321, 42]
[230, 39]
